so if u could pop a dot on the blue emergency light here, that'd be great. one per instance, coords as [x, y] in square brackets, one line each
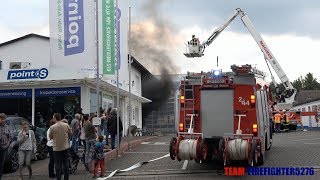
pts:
[216, 72]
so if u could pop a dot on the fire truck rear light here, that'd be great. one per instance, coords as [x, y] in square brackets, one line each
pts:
[182, 99]
[255, 128]
[181, 127]
[252, 99]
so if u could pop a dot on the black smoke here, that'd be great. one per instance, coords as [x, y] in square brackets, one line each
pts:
[158, 90]
[151, 41]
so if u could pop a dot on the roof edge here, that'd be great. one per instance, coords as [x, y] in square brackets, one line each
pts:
[23, 37]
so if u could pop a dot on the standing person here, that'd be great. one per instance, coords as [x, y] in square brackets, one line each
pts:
[50, 150]
[83, 135]
[4, 140]
[102, 122]
[98, 157]
[106, 131]
[75, 125]
[60, 133]
[277, 120]
[112, 127]
[90, 132]
[27, 146]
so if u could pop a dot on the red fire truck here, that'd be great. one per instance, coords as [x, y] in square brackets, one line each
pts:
[223, 116]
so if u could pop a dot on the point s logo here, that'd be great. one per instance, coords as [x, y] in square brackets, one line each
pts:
[28, 74]
[73, 27]
[266, 49]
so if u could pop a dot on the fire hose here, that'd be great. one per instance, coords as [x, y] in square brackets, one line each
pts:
[187, 149]
[238, 149]
[139, 164]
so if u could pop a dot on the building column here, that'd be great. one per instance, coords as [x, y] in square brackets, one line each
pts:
[33, 104]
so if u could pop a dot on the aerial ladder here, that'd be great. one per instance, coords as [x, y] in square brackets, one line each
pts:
[196, 49]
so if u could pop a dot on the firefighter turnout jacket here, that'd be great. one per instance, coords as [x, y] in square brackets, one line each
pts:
[277, 118]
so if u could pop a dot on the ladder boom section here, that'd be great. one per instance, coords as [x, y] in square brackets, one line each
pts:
[266, 51]
[217, 31]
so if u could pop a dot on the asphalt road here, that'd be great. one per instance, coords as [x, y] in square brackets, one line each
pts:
[294, 149]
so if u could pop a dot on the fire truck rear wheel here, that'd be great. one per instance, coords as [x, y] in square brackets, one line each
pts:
[221, 149]
[254, 154]
[260, 159]
[172, 148]
[203, 153]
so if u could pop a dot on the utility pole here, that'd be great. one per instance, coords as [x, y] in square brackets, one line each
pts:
[97, 56]
[130, 61]
[117, 68]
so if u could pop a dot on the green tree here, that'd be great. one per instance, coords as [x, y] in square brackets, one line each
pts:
[298, 83]
[310, 83]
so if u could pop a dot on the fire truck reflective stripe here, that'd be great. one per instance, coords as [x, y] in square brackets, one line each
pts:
[139, 164]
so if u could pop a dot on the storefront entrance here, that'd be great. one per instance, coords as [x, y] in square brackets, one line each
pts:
[65, 101]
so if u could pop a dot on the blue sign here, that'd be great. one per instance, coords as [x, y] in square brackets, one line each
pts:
[73, 27]
[16, 93]
[28, 74]
[49, 92]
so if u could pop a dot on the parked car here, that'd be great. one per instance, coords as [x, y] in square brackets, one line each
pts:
[11, 160]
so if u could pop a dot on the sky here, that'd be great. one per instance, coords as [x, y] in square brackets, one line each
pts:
[289, 27]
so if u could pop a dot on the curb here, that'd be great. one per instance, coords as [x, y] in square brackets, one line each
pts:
[113, 154]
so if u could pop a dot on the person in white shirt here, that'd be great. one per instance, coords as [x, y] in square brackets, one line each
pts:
[50, 149]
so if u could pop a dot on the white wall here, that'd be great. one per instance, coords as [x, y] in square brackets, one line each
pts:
[35, 50]
[135, 82]
[308, 120]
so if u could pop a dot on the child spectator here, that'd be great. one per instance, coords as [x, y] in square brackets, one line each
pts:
[98, 157]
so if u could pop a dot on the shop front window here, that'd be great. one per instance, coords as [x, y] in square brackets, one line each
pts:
[16, 102]
[64, 101]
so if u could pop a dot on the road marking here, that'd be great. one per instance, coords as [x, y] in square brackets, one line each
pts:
[303, 136]
[160, 143]
[185, 164]
[305, 139]
[155, 143]
[313, 143]
[143, 152]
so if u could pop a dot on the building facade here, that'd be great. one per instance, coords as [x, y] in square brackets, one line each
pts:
[31, 88]
[308, 100]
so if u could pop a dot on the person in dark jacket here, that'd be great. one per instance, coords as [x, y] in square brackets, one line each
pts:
[90, 133]
[106, 131]
[112, 127]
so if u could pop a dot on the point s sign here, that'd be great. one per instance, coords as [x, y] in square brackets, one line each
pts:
[73, 27]
[28, 74]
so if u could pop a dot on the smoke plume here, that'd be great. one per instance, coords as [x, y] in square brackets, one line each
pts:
[152, 39]
[151, 42]
[158, 90]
